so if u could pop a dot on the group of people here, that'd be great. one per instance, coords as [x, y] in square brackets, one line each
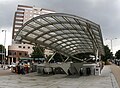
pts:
[22, 68]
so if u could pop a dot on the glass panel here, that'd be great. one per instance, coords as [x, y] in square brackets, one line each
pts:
[44, 29]
[18, 37]
[68, 25]
[34, 24]
[41, 39]
[23, 33]
[96, 32]
[64, 36]
[63, 44]
[25, 41]
[53, 39]
[38, 22]
[82, 23]
[43, 21]
[78, 35]
[77, 26]
[50, 27]
[59, 26]
[37, 32]
[50, 19]
[72, 20]
[73, 41]
[73, 51]
[48, 42]
[85, 36]
[70, 39]
[64, 40]
[82, 32]
[32, 36]
[28, 28]
[78, 41]
[66, 31]
[67, 46]
[71, 35]
[54, 45]
[72, 45]
[74, 31]
[76, 38]
[68, 42]
[46, 36]
[59, 37]
[60, 18]
[59, 32]
[76, 44]
[59, 42]
[52, 33]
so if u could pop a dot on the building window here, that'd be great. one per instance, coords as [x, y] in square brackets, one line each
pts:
[9, 53]
[23, 46]
[28, 47]
[25, 54]
[14, 53]
[19, 46]
[20, 54]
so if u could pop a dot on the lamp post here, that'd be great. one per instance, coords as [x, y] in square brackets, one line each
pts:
[3, 60]
[111, 43]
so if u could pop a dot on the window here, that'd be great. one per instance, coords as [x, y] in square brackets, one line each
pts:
[20, 54]
[28, 47]
[19, 46]
[23, 46]
[9, 53]
[25, 54]
[14, 53]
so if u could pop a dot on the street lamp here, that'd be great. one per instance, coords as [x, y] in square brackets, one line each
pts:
[111, 43]
[3, 50]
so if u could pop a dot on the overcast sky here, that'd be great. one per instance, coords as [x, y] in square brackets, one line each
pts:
[106, 13]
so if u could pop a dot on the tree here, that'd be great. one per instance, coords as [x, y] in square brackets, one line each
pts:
[38, 52]
[117, 54]
[2, 50]
[59, 57]
[108, 54]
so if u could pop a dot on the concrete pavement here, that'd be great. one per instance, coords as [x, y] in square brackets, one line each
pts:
[116, 72]
[5, 72]
[33, 80]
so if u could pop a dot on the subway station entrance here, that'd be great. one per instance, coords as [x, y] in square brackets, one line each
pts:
[65, 34]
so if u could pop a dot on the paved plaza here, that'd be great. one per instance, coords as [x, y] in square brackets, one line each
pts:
[33, 80]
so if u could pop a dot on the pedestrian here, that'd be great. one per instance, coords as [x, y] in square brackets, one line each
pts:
[22, 70]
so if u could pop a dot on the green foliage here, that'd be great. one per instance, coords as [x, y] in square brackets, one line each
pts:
[2, 50]
[108, 54]
[117, 54]
[59, 57]
[38, 52]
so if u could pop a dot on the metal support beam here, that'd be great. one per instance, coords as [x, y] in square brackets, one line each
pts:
[51, 57]
[66, 59]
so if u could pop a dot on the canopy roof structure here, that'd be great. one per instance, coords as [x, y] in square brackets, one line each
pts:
[63, 33]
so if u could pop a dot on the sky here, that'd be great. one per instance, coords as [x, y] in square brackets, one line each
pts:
[106, 13]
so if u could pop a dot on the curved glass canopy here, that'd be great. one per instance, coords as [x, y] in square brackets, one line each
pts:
[63, 33]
